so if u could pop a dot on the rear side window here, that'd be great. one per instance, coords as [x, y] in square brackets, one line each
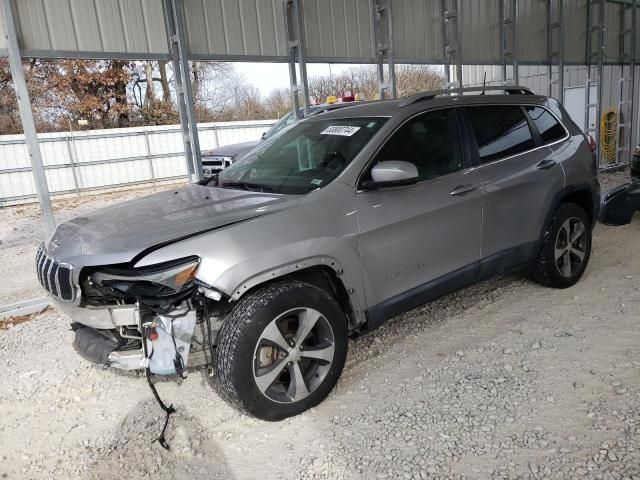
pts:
[549, 128]
[501, 131]
[430, 141]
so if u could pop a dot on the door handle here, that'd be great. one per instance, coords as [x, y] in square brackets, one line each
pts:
[462, 189]
[546, 164]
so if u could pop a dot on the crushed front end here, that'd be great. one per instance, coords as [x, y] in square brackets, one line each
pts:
[158, 317]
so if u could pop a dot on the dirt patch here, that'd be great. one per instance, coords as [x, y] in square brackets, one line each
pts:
[7, 323]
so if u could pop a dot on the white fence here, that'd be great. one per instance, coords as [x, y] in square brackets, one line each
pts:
[108, 159]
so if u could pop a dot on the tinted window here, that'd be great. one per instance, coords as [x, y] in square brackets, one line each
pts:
[549, 128]
[429, 141]
[500, 131]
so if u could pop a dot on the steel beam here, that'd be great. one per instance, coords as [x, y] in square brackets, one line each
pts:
[26, 114]
[174, 24]
[451, 39]
[555, 47]
[383, 45]
[294, 29]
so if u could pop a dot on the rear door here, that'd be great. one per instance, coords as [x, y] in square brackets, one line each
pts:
[519, 177]
[416, 238]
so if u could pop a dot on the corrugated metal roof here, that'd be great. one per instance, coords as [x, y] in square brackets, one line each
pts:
[335, 29]
[417, 30]
[129, 27]
[339, 29]
[235, 27]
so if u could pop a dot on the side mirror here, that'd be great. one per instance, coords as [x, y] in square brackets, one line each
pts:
[264, 135]
[392, 173]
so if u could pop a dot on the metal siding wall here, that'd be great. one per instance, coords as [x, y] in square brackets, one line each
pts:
[120, 26]
[338, 28]
[106, 159]
[575, 21]
[216, 28]
[480, 31]
[531, 30]
[417, 30]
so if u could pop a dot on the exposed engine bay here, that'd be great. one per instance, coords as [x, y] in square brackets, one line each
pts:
[161, 318]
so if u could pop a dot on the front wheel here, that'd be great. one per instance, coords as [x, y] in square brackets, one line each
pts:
[566, 248]
[281, 350]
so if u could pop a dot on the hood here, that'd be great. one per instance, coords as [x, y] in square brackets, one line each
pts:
[234, 151]
[119, 233]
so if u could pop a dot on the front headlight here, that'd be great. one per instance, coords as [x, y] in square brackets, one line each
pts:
[156, 280]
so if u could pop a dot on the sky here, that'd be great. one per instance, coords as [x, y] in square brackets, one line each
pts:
[268, 76]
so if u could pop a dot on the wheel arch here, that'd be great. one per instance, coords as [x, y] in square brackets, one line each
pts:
[324, 272]
[581, 194]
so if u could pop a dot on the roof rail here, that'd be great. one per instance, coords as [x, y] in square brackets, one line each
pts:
[429, 95]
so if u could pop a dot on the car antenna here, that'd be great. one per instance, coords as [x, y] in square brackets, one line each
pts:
[484, 82]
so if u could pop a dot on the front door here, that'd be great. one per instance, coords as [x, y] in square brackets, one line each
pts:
[417, 241]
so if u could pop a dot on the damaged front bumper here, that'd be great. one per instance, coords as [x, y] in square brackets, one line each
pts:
[114, 337]
[620, 203]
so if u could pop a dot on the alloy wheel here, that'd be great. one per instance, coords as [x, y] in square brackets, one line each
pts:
[570, 247]
[293, 355]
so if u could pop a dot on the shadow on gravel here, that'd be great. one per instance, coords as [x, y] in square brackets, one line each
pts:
[133, 452]
[427, 317]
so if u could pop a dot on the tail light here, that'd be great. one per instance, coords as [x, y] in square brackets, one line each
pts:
[592, 143]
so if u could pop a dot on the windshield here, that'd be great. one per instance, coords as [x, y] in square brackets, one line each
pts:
[285, 121]
[302, 158]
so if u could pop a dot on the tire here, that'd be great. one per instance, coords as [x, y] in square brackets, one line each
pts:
[550, 268]
[248, 346]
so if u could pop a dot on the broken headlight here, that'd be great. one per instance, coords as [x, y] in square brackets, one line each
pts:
[164, 280]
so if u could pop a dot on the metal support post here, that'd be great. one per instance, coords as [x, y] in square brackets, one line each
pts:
[174, 24]
[451, 40]
[595, 50]
[383, 34]
[26, 114]
[509, 40]
[73, 166]
[555, 48]
[294, 29]
[149, 159]
[624, 132]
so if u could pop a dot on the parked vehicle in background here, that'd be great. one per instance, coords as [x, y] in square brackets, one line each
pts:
[326, 230]
[217, 159]
[620, 203]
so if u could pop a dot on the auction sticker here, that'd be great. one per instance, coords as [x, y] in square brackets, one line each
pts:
[342, 130]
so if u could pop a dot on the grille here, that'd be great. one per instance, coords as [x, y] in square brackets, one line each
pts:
[54, 276]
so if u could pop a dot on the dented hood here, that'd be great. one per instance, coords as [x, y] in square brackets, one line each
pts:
[119, 233]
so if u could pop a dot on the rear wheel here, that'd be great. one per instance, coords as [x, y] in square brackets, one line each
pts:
[566, 248]
[281, 350]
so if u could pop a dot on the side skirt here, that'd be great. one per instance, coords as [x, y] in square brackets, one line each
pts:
[513, 259]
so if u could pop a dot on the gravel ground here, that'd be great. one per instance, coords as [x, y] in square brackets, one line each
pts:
[505, 379]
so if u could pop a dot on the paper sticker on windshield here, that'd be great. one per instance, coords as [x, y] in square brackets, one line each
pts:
[342, 130]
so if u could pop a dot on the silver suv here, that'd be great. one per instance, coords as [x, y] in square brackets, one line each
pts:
[322, 232]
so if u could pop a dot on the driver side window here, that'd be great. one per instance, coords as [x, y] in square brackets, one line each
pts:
[430, 141]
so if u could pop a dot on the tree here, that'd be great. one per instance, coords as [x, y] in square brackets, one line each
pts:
[277, 103]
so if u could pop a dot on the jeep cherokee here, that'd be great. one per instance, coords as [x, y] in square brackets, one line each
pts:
[325, 230]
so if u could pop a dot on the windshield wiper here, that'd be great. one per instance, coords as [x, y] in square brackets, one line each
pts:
[252, 187]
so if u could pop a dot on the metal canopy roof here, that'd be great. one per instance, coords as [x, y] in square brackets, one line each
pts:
[335, 30]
